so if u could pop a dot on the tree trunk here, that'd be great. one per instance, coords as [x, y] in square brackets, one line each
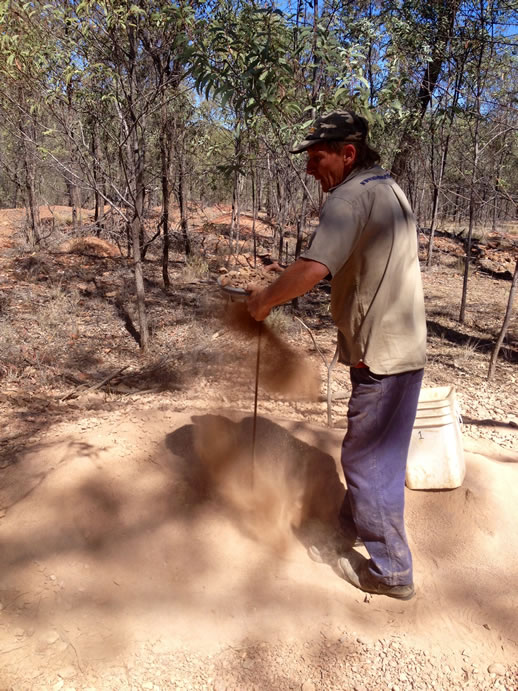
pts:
[254, 211]
[234, 217]
[472, 202]
[446, 13]
[183, 200]
[136, 163]
[467, 260]
[136, 235]
[29, 171]
[505, 324]
[96, 173]
[301, 223]
[165, 169]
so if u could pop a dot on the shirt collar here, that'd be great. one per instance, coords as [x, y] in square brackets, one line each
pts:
[355, 172]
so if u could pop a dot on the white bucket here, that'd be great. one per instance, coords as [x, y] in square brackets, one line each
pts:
[436, 456]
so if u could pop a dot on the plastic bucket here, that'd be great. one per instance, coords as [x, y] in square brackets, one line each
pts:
[436, 456]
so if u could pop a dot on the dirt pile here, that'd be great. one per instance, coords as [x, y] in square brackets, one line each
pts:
[90, 245]
[134, 551]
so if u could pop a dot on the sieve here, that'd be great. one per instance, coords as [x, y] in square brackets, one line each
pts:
[235, 293]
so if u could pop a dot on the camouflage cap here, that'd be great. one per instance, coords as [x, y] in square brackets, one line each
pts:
[340, 125]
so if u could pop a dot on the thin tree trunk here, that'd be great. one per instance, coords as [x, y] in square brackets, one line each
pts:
[136, 235]
[98, 199]
[234, 216]
[254, 211]
[446, 13]
[165, 168]
[183, 200]
[505, 324]
[33, 210]
[136, 160]
[472, 202]
[467, 259]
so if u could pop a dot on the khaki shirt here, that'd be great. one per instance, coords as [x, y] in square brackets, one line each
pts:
[367, 239]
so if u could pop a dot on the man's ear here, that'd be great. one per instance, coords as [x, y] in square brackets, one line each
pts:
[349, 153]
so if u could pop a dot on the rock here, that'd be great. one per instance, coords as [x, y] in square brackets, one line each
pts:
[49, 637]
[67, 672]
[308, 686]
[497, 668]
[147, 685]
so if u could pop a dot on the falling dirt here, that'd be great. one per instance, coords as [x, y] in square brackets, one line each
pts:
[284, 369]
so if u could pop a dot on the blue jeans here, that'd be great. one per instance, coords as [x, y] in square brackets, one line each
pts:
[381, 415]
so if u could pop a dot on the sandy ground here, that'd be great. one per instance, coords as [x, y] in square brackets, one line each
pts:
[114, 536]
[137, 554]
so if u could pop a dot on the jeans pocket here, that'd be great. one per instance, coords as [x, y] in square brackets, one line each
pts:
[376, 378]
[363, 375]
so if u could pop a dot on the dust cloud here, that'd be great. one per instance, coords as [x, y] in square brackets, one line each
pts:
[280, 487]
[283, 369]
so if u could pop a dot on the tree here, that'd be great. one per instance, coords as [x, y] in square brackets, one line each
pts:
[505, 324]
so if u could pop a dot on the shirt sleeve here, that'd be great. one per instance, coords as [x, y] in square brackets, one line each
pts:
[336, 234]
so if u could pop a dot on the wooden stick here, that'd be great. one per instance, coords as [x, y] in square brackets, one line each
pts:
[98, 385]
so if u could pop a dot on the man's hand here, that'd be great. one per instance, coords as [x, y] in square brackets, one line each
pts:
[296, 280]
[256, 303]
[274, 266]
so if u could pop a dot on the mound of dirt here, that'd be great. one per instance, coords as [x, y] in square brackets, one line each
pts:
[154, 529]
[90, 245]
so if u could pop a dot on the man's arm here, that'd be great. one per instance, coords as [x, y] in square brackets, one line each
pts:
[296, 280]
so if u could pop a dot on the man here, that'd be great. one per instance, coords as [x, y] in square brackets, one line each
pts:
[366, 241]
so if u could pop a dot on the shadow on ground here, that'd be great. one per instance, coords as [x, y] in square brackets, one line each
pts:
[162, 527]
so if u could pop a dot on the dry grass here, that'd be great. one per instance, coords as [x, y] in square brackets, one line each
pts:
[196, 267]
[39, 335]
[281, 322]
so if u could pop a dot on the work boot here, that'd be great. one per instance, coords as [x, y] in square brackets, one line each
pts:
[328, 547]
[355, 570]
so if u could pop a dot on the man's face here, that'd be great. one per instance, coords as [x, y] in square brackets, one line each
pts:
[330, 167]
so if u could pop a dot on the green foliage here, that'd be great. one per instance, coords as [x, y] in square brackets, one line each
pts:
[237, 81]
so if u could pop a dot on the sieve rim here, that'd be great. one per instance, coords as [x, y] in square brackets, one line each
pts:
[233, 291]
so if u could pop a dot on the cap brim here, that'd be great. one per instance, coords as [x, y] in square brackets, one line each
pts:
[303, 146]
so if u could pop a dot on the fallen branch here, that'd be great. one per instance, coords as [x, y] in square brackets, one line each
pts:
[93, 387]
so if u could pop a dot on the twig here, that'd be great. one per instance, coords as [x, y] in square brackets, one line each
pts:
[68, 641]
[329, 368]
[11, 650]
[98, 385]
[329, 396]
[313, 339]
